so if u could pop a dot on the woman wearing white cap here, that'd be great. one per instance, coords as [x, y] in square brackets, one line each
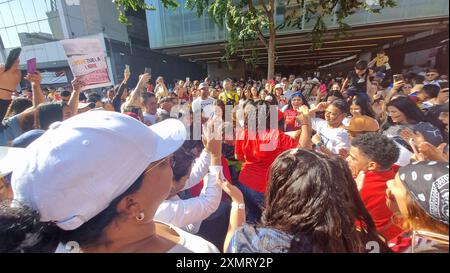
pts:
[71, 188]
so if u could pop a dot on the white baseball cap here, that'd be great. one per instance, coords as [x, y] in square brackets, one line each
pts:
[203, 85]
[73, 171]
[279, 85]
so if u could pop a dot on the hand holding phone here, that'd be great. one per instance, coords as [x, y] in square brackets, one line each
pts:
[398, 78]
[31, 66]
[148, 70]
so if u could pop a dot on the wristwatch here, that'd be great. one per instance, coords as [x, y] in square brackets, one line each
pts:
[238, 205]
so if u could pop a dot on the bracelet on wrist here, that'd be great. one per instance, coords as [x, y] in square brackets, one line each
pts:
[235, 205]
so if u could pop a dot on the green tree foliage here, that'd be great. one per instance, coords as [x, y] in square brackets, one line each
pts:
[249, 21]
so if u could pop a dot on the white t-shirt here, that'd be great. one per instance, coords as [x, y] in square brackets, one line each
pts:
[333, 138]
[150, 118]
[188, 243]
[201, 105]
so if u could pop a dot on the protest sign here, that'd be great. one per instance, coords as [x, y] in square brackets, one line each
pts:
[87, 62]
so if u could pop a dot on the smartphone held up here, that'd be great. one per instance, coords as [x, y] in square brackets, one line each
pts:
[148, 70]
[31, 66]
[398, 78]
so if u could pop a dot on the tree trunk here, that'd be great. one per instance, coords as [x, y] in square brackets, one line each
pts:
[272, 36]
[271, 56]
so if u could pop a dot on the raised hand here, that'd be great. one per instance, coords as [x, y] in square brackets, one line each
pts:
[430, 152]
[212, 136]
[77, 84]
[408, 134]
[35, 79]
[232, 191]
[126, 75]
[144, 78]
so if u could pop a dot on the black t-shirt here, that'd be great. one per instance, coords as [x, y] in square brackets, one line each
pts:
[357, 84]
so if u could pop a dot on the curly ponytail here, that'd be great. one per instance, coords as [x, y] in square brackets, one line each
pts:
[21, 230]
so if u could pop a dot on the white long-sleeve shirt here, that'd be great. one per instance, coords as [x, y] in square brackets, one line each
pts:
[189, 213]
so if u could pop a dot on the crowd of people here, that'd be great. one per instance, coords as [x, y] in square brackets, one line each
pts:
[290, 164]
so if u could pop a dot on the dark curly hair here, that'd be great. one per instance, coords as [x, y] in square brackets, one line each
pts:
[314, 198]
[378, 148]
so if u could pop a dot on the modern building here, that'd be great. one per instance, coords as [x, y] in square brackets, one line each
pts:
[37, 27]
[412, 32]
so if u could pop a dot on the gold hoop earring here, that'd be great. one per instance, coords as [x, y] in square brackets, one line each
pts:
[140, 217]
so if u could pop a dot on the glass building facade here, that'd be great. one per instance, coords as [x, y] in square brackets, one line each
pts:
[25, 22]
[168, 28]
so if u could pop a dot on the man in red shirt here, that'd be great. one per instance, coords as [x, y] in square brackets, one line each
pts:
[371, 159]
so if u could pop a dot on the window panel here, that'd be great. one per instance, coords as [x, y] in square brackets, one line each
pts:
[14, 40]
[6, 15]
[28, 10]
[5, 38]
[16, 10]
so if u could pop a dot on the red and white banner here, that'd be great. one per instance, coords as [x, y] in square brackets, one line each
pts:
[58, 77]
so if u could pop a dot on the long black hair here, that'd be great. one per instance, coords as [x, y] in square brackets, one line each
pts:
[314, 198]
[22, 231]
[408, 108]
[366, 108]
[298, 94]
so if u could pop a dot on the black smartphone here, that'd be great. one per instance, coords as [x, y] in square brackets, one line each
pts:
[12, 58]
[148, 70]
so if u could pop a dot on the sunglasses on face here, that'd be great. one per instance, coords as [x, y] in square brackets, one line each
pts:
[167, 160]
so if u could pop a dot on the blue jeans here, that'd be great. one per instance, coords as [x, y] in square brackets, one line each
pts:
[254, 203]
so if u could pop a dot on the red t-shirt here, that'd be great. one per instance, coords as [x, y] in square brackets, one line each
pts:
[290, 120]
[150, 88]
[373, 194]
[259, 153]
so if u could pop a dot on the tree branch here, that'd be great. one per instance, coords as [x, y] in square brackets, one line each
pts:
[261, 2]
[260, 34]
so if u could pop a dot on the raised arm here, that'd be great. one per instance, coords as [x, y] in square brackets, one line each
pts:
[75, 96]
[305, 135]
[134, 99]
[370, 93]
[181, 213]
[35, 80]
[237, 213]
[394, 90]
[318, 108]
[344, 85]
